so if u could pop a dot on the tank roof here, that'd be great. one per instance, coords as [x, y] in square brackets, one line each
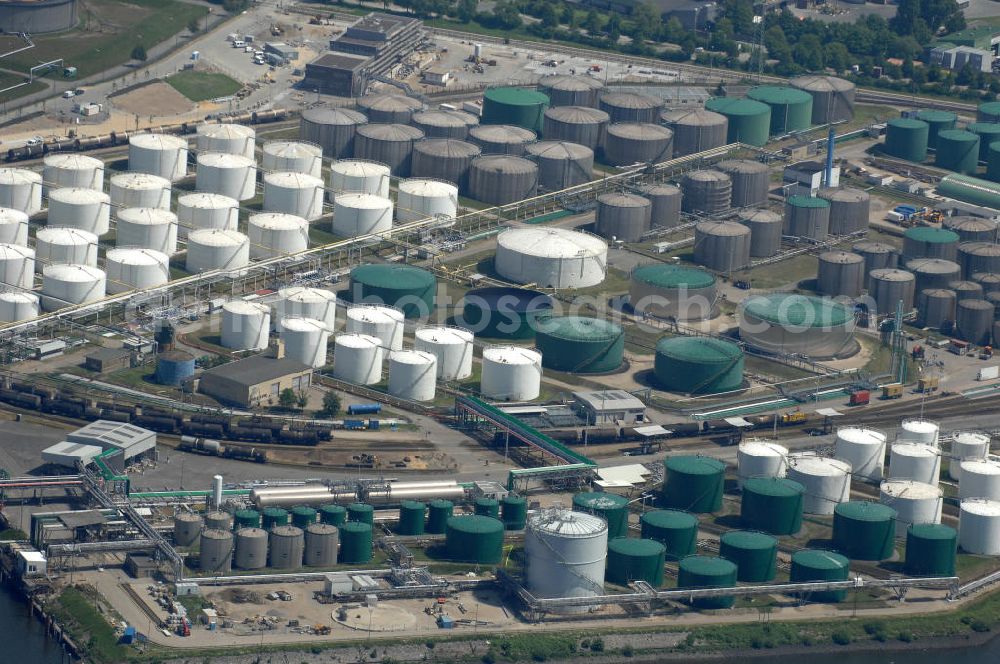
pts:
[475, 524]
[599, 500]
[356, 527]
[932, 531]
[632, 546]
[733, 106]
[502, 133]
[578, 328]
[863, 510]
[389, 102]
[415, 357]
[958, 135]
[516, 96]
[748, 539]
[819, 559]
[447, 147]
[630, 100]
[640, 131]
[578, 114]
[907, 123]
[777, 487]
[909, 489]
[390, 132]
[693, 117]
[792, 309]
[708, 565]
[567, 524]
[807, 202]
[695, 465]
[392, 276]
[844, 194]
[699, 349]
[840, 257]
[570, 83]
[671, 519]
[933, 235]
[559, 150]
[334, 116]
[551, 242]
[216, 237]
[934, 115]
[818, 83]
[778, 94]
[665, 275]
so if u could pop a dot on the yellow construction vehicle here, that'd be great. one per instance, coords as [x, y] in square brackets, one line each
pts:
[892, 391]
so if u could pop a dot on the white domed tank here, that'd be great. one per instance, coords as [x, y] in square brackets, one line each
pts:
[245, 325]
[565, 555]
[305, 340]
[293, 193]
[357, 359]
[65, 285]
[17, 266]
[915, 503]
[551, 257]
[231, 175]
[827, 482]
[147, 228]
[979, 527]
[966, 446]
[453, 347]
[511, 373]
[60, 246]
[915, 461]
[384, 323]
[304, 302]
[86, 209]
[217, 249]
[292, 156]
[420, 199]
[133, 268]
[760, 458]
[226, 138]
[21, 189]
[19, 306]
[203, 210]
[130, 190]
[918, 431]
[158, 154]
[980, 479]
[72, 170]
[357, 176]
[412, 374]
[275, 234]
[864, 449]
[361, 214]
[14, 226]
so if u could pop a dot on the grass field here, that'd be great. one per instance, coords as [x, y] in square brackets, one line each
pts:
[200, 85]
[7, 80]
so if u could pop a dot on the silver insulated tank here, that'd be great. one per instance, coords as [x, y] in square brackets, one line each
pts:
[978, 257]
[624, 217]
[390, 144]
[632, 142]
[565, 90]
[751, 180]
[444, 124]
[807, 217]
[765, 231]
[849, 209]
[666, 201]
[840, 273]
[722, 245]
[187, 527]
[972, 229]
[933, 272]
[251, 548]
[285, 547]
[877, 255]
[706, 192]
[216, 551]
[561, 164]
[501, 139]
[320, 545]
[630, 107]
[444, 159]
[389, 108]
[565, 555]
[888, 286]
[333, 129]
[696, 130]
[936, 305]
[576, 124]
[499, 179]
[974, 321]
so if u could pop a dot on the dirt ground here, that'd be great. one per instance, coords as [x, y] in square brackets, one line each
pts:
[156, 99]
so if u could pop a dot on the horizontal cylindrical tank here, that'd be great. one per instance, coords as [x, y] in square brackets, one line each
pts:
[139, 190]
[446, 159]
[501, 139]
[693, 483]
[915, 461]
[356, 176]
[765, 232]
[707, 192]
[21, 189]
[273, 234]
[226, 138]
[979, 527]
[565, 555]
[929, 242]
[63, 285]
[333, 129]
[17, 266]
[772, 505]
[502, 179]
[751, 181]
[187, 528]
[576, 124]
[676, 530]
[216, 554]
[760, 459]
[696, 130]
[357, 359]
[382, 322]
[809, 565]
[625, 217]
[474, 538]
[749, 120]
[840, 273]
[216, 249]
[129, 269]
[914, 502]
[561, 164]
[72, 170]
[565, 90]
[551, 257]
[294, 193]
[412, 374]
[361, 214]
[723, 246]
[707, 572]
[231, 175]
[827, 481]
[158, 154]
[292, 157]
[807, 217]
[511, 373]
[889, 286]
[209, 211]
[245, 325]
[631, 559]
[698, 365]
[863, 530]
[630, 107]
[85, 209]
[754, 554]
[672, 291]
[635, 142]
[931, 550]
[389, 144]
[791, 108]
[863, 449]
[419, 199]
[147, 228]
[907, 138]
[453, 347]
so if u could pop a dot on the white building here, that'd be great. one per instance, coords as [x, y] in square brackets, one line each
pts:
[31, 563]
[806, 178]
[131, 440]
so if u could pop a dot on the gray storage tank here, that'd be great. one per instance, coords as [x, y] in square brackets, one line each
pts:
[444, 124]
[935, 306]
[216, 554]
[933, 272]
[251, 548]
[444, 159]
[390, 144]
[565, 90]
[972, 229]
[561, 164]
[706, 192]
[990, 281]
[840, 273]
[576, 124]
[888, 286]
[696, 130]
[967, 290]
[333, 129]
[320, 545]
[807, 217]
[850, 209]
[633, 142]
[389, 108]
[187, 527]
[751, 180]
[978, 257]
[877, 255]
[666, 201]
[501, 139]
[219, 520]
[765, 231]
[624, 217]
[630, 107]
[286, 547]
[833, 98]
[722, 246]
[500, 179]
[973, 322]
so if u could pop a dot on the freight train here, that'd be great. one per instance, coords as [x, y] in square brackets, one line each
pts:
[215, 448]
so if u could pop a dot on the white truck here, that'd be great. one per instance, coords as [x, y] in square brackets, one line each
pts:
[988, 373]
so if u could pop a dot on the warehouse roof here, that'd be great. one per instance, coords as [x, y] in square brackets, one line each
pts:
[257, 369]
[132, 440]
[107, 354]
[603, 400]
[340, 61]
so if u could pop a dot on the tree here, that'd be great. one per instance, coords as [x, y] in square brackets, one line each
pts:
[506, 16]
[568, 16]
[645, 22]
[302, 400]
[593, 22]
[287, 398]
[331, 405]
[837, 57]
[194, 25]
[139, 53]
[550, 19]
[467, 10]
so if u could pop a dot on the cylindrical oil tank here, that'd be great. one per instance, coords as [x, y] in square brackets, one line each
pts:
[382, 322]
[967, 290]
[19, 306]
[85, 209]
[957, 151]
[698, 365]
[565, 90]
[292, 157]
[551, 257]
[21, 189]
[906, 138]
[561, 164]
[389, 144]
[630, 107]
[919, 431]
[760, 459]
[666, 204]
[676, 530]
[158, 154]
[772, 505]
[361, 214]
[231, 175]
[889, 286]
[412, 374]
[438, 513]
[972, 229]
[63, 285]
[226, 138]
[931, 550]
[14, 223]
[129, 190]
[966, 446]
[446, 159]
[979, 527]
[791, 108]
[840, 273]
[306, 302]
[751, 180]
[516, 106]
[578, 344]
[877, 255]
[937, 122]
[389, 108]
[129, 269]
[631, 559]
[219, 520]
[174, 367]
[980, 478]
[361, 513]
[622, 216]
[245, 325]
[273, 517]
[914, 502]
[693, 483]
[320, 545]
[749, 120]
[636, 142]
[501, 139]
[816, 565]
[610, 507]
[17, 266]
[576, 124]
[504, 313]
[988, 112]
[695, 130]
[833, 98]
[333, 515]
[72, 170]
[665, 290]
[302, 516]
[216, 249]
[754, 554]
[187, 528]
[974, 321]
[286, 545]
[357, 359]
[355, 543]
[827, 481]
[419, 199]
[919, 462]
[411, 518]
[707, 572]
[565, 555]
[147, 228]
[484, 506]
[475, 539]
[514, 512]
[978, 257]
[863, 530]
[246, 518]
[203, 210]
[274, 234]
[502, 179]
[929, 242]
[850, 209]
[706, 192]
[723, 246]
[216, 554]
[863, 449]
[452, 346]
[333, 129]
[356, 176]
[765, 231]
[405, 287]
[305, 340]
[293, 193]
[511, 373]
[807, 217]
[988, 280]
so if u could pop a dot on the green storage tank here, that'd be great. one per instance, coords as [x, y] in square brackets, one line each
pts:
[333, 515]
[514, 512]
[749, 120]
[937, 121]
[677, 531]
[438, 513]
[707, 572]
[580, 345]
[754, 554]
[698, 365]
[791, 109]
[631, 559]
[361, 513]
[274, 516]
[817, 565]
[475, 539]
[355, 543]
[931, 549]
[772, 504]
[504, 312]
[515, 106]
[906, 138]
[993, 161]
[989, 112]
[411, 518]
[406, 287]
[929, 242]
[246, 519]
[610, 507]
[864, 530]
[694, 483]
[988, 132]
[958, 151]
[487, 507]
[303, 516]
[972, 190]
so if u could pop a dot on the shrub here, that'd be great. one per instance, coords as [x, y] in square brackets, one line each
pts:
[539, 657]
[841, 638]
[597, 645]
[806, 640]
[488, 658]
[872, 628]
[979, 626]
[905, 637]
[627, 651]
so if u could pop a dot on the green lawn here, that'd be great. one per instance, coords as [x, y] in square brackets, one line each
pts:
[200, 85]
[7, 80]
[75, 609]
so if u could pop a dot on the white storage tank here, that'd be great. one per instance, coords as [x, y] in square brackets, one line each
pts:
[361, 214]
[134, 268]
[980, 479]
[130, 190]
[551, 257]
[760, 458]
[827, 481]
[511, 373]
[915, 503]
[864, 449]
[412, 374]
[14, 226]
[293, 156]
[21, 189]
[979, 527]
[376, 320]
[227, 138]
[565, 555]
[966, 446]
[86, 209]
[421, 198]
[158, 154]
[915, 461]
[72, 170]
[357, 176]
[217, 249]
[204, 210]
[294, 193]
[918, 431]
[147, 228]
[305, 302]
[60, 246]
[305, 340]
[275, 234]
[17, 266]
[231, 175]
[453, 347]
[357, 359]
[18, 306]
[245, 325]
[65, 285]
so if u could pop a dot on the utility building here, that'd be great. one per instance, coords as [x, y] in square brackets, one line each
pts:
[255, 381]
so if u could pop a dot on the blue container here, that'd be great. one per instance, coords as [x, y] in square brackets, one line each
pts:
[354, 424]
[364, 409]
[129, 635]
[173, 367]
[373, 425]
